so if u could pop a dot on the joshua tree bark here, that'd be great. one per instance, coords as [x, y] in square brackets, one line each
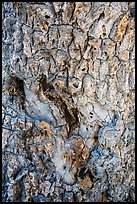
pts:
[68, 101]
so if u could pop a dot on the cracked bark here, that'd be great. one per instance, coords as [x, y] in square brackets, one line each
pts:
[68, 81]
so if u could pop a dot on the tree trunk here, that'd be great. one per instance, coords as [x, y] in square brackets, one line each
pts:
[68, 101]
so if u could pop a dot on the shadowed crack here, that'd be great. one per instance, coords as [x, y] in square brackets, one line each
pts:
[16, 89]
[70, 113]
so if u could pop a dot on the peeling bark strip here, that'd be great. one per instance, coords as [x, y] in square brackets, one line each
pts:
[68, 101]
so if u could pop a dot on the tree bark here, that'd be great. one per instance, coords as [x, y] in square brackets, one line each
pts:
[68, 101]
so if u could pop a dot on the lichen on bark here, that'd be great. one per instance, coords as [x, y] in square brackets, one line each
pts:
[68, 101]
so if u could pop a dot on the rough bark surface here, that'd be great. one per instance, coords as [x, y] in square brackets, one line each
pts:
[68, 101]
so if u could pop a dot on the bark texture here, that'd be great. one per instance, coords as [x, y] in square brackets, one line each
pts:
[68, 101]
